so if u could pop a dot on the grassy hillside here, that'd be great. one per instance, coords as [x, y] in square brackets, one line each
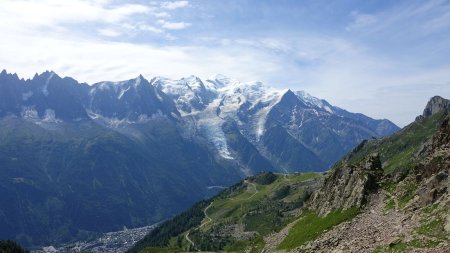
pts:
[236, 219]
[311, 225]
[397, 152]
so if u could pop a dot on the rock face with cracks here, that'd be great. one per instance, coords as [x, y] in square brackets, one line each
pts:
[435, 105]
[347, 186]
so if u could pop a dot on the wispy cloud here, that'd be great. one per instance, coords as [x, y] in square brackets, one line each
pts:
[174, 4]
[173, 25]
[410, 19]
[149, 28]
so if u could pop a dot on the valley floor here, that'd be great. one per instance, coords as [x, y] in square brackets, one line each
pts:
[112, 242]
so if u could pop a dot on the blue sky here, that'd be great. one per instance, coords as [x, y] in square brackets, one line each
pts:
[382, 58]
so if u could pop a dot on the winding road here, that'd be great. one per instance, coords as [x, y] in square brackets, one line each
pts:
[188, 239]
[209, 219]
[201, 225]
[206, 215]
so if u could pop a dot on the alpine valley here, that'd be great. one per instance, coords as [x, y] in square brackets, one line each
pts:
[77, 160]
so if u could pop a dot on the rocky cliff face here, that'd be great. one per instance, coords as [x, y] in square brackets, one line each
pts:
[432, 173]
[435, 105]
[348, 186]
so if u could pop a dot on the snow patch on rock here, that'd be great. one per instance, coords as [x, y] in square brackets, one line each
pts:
[48, 120]
[47, 82]
[50, 117]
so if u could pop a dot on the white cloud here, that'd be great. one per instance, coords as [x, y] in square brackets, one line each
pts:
[173, 25]
[171, 5]
[55, 16]
[148, 28]
[109, 32]
[162, 14]
[95, 60]
[35, 13]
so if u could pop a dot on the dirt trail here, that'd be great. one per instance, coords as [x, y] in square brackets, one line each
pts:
[206, 215]
[188, 239]
[274, 239]
[256, 191]
[372, 228]
[254, 187]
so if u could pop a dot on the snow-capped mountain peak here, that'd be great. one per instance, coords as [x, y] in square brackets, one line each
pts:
[140, 79]
[313, 101]
[219, 81]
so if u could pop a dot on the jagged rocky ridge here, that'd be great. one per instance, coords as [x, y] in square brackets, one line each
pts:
[135, 152]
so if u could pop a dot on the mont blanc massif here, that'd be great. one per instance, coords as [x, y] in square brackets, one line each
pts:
[218, 165]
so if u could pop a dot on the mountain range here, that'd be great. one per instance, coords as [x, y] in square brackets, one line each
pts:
[79, 159]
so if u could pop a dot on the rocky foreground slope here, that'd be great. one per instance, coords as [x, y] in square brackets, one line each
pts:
[387, 195]
[409, 207]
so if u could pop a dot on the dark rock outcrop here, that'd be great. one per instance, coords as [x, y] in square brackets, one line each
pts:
[432, 172]
[347, 186]
[435, 105]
